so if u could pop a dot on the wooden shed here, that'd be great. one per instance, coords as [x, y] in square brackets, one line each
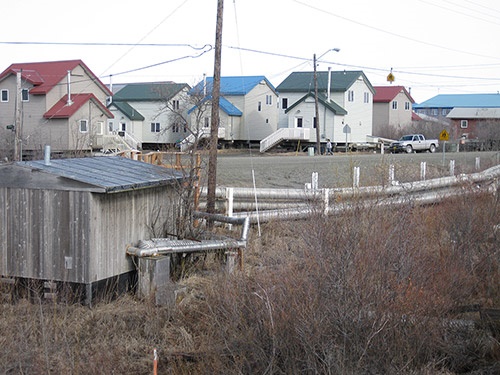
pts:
[71, 220]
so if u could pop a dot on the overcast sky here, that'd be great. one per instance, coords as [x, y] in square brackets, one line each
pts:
[433, 46]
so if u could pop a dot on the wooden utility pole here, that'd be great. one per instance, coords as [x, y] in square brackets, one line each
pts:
[17, 126]
[214, 126]
[316, 108]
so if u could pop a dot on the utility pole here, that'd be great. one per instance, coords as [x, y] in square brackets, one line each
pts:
[316, 108]
[214, 126]
[17, 127]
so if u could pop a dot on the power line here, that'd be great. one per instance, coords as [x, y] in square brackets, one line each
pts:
[106, 44]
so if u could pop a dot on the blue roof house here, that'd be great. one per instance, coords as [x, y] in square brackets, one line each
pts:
[247, 108]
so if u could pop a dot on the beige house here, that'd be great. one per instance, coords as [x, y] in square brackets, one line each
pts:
[58, 103]
[392, 108]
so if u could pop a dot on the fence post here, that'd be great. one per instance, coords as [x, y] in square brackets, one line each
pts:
[391, 174]
[229, 204]
[326, 201]
[452, 167]
[356, 177]
[478, 163]
[314, 181]
[423, 167]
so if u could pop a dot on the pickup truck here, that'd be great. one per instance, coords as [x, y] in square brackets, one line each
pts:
[413, 143]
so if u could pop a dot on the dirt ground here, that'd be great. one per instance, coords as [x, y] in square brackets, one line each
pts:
[241, 169]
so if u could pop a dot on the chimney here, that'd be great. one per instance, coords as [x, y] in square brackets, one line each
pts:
[46, 159]
[204, 84]
[69, 102]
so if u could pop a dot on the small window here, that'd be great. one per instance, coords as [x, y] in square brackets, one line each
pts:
[394, 104]
[299, 122]
[269, 100]
[25, 95]
[284, 103]
[315, 122]
[366, 97]
[155, 127]
[84, 126]
[350, 96]
[207, 122]
[4, 96]
[407, 106]
[464, 124]
[175, 128]
[110, 126]
[175, 105]
[434, 112]
[259, 106]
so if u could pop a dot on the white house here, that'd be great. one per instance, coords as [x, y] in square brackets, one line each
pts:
[151, 115]
[248, 108]
[345, 101]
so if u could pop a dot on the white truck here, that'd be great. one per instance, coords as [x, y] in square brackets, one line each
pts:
[413, 143]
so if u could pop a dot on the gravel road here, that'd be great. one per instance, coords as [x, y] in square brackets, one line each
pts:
[235, 169]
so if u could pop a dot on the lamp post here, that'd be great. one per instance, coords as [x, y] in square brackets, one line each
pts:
[316, 105]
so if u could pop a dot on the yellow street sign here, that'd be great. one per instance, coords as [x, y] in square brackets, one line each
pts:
[390, 77]
[444, 135]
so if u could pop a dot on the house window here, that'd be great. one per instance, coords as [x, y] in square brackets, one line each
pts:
[445, 111]
[155, 127]
[259, 106]
[175, 128]
[434, 112]
[299, 122]
[25, 95]
[407, 106]
[350, 96]
[110, 126]
[175, 105]
[394, 104]
[269, 100]
[464, 124]
[284, 103]
[314, 122]
[185, 128]
[84, 126]
[207, 122]
[4, 96]
[366, 97]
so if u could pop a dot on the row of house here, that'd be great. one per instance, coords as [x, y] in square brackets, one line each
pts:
[64, 105]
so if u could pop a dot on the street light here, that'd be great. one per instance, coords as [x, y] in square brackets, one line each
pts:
[316, 106]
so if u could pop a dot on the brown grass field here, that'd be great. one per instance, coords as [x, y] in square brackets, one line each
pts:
[374, 291]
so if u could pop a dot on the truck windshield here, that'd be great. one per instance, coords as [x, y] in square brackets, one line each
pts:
[406, 138]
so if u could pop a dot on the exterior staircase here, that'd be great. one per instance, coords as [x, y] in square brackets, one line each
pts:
[118, 142]
[284, 134]
[204, 132]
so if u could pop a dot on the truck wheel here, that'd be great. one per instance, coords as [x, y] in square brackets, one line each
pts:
[432, 149]
[409, 149]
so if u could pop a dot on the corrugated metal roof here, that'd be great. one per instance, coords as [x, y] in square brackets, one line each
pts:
[62, 110]
[108, 173]
[331, 105]
[461, 100]
[475, 113]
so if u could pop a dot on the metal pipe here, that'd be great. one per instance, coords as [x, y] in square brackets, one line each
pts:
[157, 246]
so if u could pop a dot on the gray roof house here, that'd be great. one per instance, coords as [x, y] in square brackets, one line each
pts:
[345, 102]
[150, 115]
[69, 221]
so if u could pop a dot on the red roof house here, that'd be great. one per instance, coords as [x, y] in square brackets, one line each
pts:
[61, 104]
[392, 108]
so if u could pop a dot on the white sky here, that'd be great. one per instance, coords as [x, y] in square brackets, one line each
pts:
[434, 46]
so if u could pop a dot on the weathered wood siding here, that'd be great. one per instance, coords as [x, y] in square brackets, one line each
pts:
[76, 236]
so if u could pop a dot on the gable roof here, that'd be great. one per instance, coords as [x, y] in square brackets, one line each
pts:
[127, 110]
[224, 105]
[62, 110]
[150, 91]
[341, 81]
[322, 99]
[232, 86]
[105, 174]
[461, 100]
[385, 94]
[44, 76]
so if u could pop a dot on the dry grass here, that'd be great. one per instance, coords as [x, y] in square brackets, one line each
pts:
[366, 293]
